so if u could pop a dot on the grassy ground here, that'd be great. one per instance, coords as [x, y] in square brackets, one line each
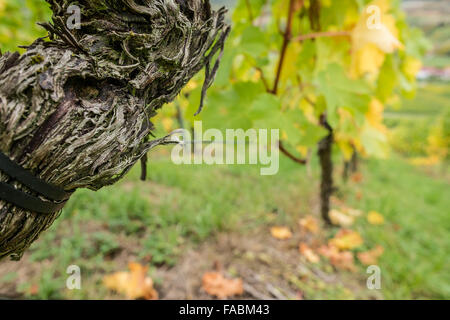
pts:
[182, 209]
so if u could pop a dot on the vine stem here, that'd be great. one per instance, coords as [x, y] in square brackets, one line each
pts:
[290, 155]
[249, 8]
[328, 34]
[287, 37]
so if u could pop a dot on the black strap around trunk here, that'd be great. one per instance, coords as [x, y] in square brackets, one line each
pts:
[23, 200]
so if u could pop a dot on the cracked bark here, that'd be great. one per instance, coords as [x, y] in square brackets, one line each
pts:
[75, 110]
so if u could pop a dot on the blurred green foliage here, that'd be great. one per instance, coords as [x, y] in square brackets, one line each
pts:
[18, 20]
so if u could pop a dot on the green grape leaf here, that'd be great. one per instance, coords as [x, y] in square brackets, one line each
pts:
[341, 91]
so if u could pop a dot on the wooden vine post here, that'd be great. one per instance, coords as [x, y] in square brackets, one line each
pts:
[75, 109]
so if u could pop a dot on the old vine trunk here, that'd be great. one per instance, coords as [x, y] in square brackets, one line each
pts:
[325, 149]
[75, 110]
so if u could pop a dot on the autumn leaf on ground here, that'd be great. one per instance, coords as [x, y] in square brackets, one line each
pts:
[375, 218]
[310, 224]
[308, 253]
[340, 219]
[340, 259]
[215, 284]
[352, 212]
[337, 202]
[346, 240]
[134, 284]
[33, 290]
[357, 177]
[370, 257]
[281, 233]
[359, 195]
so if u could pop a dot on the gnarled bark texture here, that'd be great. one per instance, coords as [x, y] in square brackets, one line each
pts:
[76, 110]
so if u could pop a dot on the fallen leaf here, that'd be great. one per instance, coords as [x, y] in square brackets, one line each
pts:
[346, 240]
[33, 290]
[336, 201]
[370, 257]
[308, 253]
[134, 284]
[375, 218]
[310, 224]
[215, 284]
[352, 212]
[281, 233]
[359, 195]
[340, 259]
[357, 177]
[341, 219]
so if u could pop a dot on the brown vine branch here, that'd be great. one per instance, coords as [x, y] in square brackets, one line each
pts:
[290, 155]
[263, 79]
[249, 9]
[287, 36]
[328, 34]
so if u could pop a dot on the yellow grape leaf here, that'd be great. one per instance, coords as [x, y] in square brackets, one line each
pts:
[281, 233]
[215, 284]
[340, 259]
[291, 57]
[167, 124]
[375, 115]
[308, 109]
[378, 27]
[411, 66]
[368, 59]
[191, 85]
[308, 253]
[346, 148]
[302, 150]
[370, 257]
[134, 284]
[346, 240]
[310, 224]
[374, 35]
[2, 6]
[341, 219]
[375, 218]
